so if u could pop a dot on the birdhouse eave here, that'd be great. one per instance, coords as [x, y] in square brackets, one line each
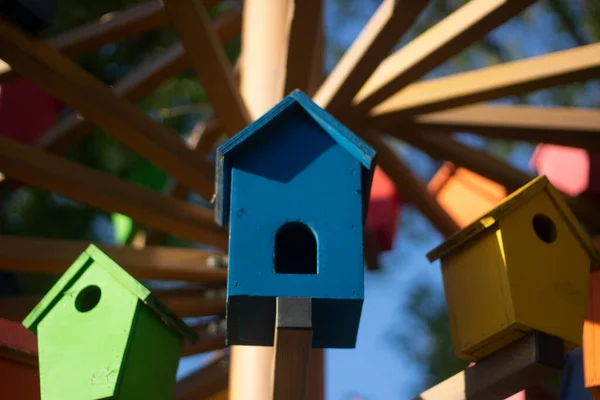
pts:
[359, 149]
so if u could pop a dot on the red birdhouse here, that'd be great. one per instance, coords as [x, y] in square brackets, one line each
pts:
[18, 362]
[382, 218]
[571, 170]
[464, 194]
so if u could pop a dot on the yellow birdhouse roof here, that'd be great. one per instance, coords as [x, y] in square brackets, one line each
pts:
[504, 208]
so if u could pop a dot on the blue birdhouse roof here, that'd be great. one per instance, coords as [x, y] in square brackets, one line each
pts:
[227, 152]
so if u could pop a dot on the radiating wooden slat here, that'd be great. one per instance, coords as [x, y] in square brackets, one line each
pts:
[304, 20]
[577, 127]
[208, 57]
[185, 305]
[317, 66]
[493, 168]
[495, 82]
[209, 380]
[139, 83]
[95, 101]
[411, 188]
[456, 32]
[385, 28]
[211, 338]
[98, 189]
[53, 256]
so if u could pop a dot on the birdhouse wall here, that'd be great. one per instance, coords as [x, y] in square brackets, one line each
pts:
[152, 357]
[591, 336]
[81, 352]
[548, 281]
[19, 380]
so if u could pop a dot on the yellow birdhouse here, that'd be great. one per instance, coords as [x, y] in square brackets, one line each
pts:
[521, 267]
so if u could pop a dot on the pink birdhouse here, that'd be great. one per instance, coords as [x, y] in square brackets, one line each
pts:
[382, 218]
[571, 170]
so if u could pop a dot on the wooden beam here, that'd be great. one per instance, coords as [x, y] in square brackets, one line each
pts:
[98, 189]
[493, 168]
[54, 256]
[95, 101]
[209, 380]
[411, 188]
[185, 305]
[317, 59]
[447, 38]
[211, 338]
[385, 28]
[208, 57]
[537, 359]
[304, 20]
[567, 126]
[139, 83]
[495, 82]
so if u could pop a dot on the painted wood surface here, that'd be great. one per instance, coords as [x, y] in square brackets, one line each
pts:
[513, 262]
[317, 175]
[18, 362]
[591, 334]
[101, 333]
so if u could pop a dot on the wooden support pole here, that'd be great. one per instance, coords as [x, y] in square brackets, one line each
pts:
[208, 57]
[503, 80]
[95, 101]
[456, 32]
[534, 360]
[567, 126]
[293, 342]
[54, 256]
[98, 189]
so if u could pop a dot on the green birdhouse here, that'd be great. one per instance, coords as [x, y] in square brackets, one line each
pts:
[102, 335]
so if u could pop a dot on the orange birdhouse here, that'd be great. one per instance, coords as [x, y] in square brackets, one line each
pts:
[591, 333]
[521, 267]
[18, 362]
[463, 194]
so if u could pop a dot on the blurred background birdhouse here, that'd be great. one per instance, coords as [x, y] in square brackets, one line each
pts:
[101, 333]
[18, 362]
[294, 187]
[523, 266]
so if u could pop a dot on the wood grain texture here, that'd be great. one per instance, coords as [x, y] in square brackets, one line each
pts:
[491, 167]
[290, 363]
[456, 32]
[74, 86]
[381, 33]
[210, 62]
[98, 189]
[137, 84]
[305, 17]
[534, 360]
[206, 382]
[568, 126]
[503, 80]
[53, 256]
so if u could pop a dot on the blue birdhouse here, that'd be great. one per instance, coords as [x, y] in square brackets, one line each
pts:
[294, 187]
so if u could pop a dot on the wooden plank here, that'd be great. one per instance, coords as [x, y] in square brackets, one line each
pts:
[304, 20]
[139, 83]
[411, 188]
[211, 337]
[447, 38]
[209, 380]
[208, 57]
[385, 28]
[54, 256]
[493, 168]
[95, 101]
[185, 305]
[98, 189]
[292, 347]
[536, 359]
[508, 79]
[317, 59]
[568, 126]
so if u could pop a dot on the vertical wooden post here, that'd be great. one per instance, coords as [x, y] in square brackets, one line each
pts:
[261, 85]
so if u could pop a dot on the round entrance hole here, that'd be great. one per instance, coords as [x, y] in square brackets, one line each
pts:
[544, 228]
[88, 298]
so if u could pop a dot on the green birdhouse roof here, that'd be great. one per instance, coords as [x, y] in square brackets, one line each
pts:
[93, 255]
